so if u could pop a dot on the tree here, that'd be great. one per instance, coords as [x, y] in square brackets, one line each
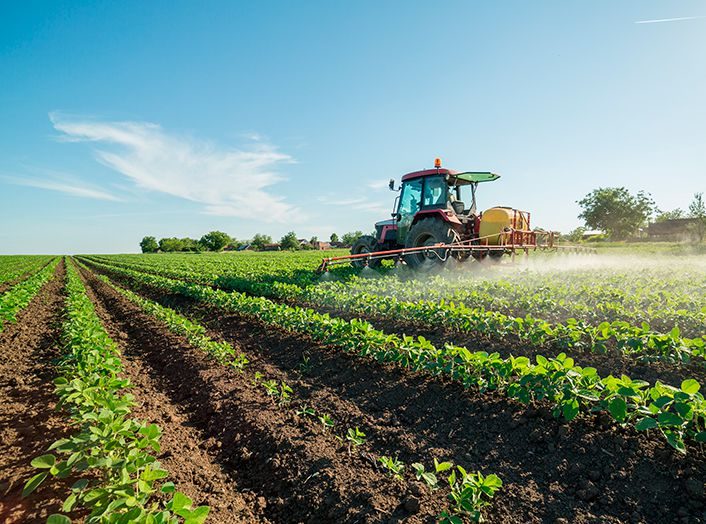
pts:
[190, 244]
[289, 241]
[149, 245]
[313, 240]
[615, 211]
[350, 238]
[215, 240]
[575, 235]
[169, 245]
[334, 237]
[669, 215]
[259, 241]
[697, 210]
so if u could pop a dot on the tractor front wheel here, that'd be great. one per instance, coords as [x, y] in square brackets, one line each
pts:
[365, 244]
[428, 232]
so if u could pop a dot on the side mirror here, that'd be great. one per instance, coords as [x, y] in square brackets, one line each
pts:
[391, 185]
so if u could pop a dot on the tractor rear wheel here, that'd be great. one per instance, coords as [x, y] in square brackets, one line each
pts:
[427, 232]
[365, 244]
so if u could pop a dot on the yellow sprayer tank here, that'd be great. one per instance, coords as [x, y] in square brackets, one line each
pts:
[494, 221]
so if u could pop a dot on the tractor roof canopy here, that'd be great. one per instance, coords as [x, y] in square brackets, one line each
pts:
[461, 177]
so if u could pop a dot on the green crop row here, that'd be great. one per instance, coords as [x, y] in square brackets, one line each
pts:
[195, 333]
[572, 334]
[110, 453]
[19, 296]
[469, 492]
[677, 413]
[14, 266]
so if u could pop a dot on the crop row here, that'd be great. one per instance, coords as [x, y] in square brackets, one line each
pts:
[14, 266]
[677, 413]
[119, 480]
[469, 492]
[20, 295]
[588, 290]
[572, 334]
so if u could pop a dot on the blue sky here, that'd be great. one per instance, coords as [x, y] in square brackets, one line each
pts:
[122, 119]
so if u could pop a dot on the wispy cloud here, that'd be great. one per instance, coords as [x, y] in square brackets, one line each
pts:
[662, 20]
[228, 182]
[69, 187]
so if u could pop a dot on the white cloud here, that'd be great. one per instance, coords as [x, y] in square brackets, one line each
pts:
[661, 20]
[68, 187]
[379, 184]
[228, 182]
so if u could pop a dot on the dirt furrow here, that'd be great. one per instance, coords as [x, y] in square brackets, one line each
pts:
[586, 471]
[28, 421]
[295, 470]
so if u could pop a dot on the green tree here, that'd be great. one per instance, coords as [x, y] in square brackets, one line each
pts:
[215, 240]
[190, 244]
[669, 215]
[149, 245]
[289, 241]
[697, 210]
[333, 237]
[615, 211]
[259, 241]
[575, 235]
[349, 238]
[170, 245]
[313, 240]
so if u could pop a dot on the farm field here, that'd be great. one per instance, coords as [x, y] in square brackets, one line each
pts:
[245, 387]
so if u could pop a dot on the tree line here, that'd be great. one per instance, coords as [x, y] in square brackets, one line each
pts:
[218, 241]
[621, 214]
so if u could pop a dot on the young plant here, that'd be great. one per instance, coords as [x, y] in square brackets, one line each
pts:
[470, 493]
[326, 421]
[355, 437]
[393, 466]
[306, 411]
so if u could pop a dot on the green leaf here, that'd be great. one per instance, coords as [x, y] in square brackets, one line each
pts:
[645, 424]
[69, 502]
[690, 386]
[168, 487]
[570, 409]
[198, 516]
[181, 501]
[44, 462]
[700, 437]
[57, 518]
[618, 408]
[34, 483]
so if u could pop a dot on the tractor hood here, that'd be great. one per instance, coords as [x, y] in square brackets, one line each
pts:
[390, 222]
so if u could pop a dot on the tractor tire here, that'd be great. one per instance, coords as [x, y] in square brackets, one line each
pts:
[427, 232]
[365, 244]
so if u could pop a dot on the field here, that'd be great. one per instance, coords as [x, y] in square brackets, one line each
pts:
[244, 387]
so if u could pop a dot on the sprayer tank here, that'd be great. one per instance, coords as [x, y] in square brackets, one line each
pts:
[496, 220]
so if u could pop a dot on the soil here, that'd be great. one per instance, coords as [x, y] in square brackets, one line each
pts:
[587, 471]
[290, 468]
[28, 420]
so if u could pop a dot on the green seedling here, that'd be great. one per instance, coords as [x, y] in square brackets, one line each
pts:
[306, 411]
[393, 466]
[355, 437]
[326, 421]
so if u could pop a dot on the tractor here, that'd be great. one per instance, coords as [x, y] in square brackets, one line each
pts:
[435, 220]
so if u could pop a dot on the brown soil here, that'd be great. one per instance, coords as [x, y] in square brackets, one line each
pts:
[586, 471]
[290, 468]
[27, 417]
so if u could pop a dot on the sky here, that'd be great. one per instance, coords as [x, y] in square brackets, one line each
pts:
[125, 119]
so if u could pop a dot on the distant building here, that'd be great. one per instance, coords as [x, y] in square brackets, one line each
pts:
[321, 245]
[271, 247]
[673, 229]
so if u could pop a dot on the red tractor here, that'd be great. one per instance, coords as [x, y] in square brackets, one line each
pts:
[436, 219]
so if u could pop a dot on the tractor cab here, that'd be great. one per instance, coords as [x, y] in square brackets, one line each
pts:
[433, 206]
[449, 195]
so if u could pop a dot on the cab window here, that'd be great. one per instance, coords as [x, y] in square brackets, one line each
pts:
[411, 197]
[435, 191]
